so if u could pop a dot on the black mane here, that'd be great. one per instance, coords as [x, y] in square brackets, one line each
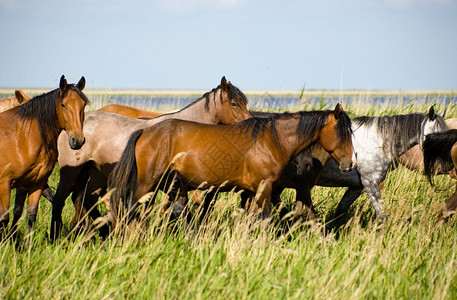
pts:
[233, 94]
[310, 122]
[396, 131]
[437, 149]
[43, 109]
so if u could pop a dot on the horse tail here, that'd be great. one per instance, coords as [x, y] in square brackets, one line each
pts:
[437, 151]
[123, 179]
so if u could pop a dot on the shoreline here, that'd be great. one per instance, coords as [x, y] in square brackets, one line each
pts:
[37, 91]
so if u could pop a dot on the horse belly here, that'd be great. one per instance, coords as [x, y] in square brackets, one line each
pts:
[213, 167]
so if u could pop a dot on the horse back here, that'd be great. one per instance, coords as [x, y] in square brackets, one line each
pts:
[129, 111]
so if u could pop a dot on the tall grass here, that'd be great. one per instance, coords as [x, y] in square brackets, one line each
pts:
[229, 256]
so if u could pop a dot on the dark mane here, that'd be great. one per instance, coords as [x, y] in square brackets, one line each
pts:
[437, 149]
[310, 122]
[233, 94]
[43, 109]
[396, 131]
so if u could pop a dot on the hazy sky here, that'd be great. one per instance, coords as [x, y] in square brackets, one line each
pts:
[256, 44]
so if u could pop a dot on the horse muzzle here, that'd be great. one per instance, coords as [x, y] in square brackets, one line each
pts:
[76, 143]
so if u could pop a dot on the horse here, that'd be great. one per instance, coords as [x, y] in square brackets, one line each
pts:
[250, 155]
[28, 143]
[129, 111]
[378, 142]
[19, 98]
[440, 150]
[85, 172]
[413, 159]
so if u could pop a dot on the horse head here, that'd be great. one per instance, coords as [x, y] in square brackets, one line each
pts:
[432, 123]
[232, 106]
[70, 111]
[336, 138]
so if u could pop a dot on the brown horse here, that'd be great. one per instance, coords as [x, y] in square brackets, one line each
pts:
[107, 134]
[414, 158]
[249, 155]
[19, 98]
[440, 154]
[7, 103]
[28, 143]
[129, 111]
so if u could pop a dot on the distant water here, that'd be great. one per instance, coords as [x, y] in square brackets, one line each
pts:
[269, 102]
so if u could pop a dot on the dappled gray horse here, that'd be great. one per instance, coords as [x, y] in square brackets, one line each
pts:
[378, 143]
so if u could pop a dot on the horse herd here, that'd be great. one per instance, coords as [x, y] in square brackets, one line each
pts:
[213, 142]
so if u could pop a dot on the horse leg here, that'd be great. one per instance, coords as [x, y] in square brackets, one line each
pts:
[349, 197]
[90, 186]
[277, 202]
[450, 207]
[21, 195]
[304, 197]
[207, 204]
[263, 198]
[32, 209]
[4, 207]
[48, 193]
[67, 178]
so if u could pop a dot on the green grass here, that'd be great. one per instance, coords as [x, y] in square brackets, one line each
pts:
[230, 257]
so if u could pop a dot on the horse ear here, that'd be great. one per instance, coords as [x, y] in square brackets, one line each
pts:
[338, 110]
[224, 83]
[444, 112]
[81, 83]
[63, 83]
[19, 96]
[431, 113]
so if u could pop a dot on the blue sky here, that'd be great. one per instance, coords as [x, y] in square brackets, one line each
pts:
[257, 44]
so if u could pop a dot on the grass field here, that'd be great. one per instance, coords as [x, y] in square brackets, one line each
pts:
[230, 257]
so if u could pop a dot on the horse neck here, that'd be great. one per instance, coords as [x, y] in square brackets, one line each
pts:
[291, 144]
[194, 112]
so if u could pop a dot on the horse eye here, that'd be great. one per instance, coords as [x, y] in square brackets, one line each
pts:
[234, 104]
[63, 105]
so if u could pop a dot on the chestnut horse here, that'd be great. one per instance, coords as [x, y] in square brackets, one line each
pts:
[249, 155]
[28, 143]
[440, 153]
[107, 134]
[19, 98]
[129, 111]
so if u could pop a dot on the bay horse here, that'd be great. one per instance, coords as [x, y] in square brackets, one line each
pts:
[250, 155]
[85, 172]
[440, 154]
[378, 142]
[19, 98]
[129, 111]
[9, 102]
[28, 143]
